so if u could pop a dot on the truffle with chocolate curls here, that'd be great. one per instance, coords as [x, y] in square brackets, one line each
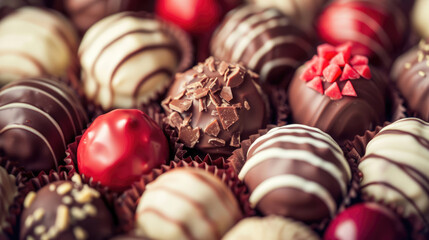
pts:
[214, 105]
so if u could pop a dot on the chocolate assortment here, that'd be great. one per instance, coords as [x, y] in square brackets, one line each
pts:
[214, 119]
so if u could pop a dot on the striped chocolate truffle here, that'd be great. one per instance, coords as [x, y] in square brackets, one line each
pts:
[264, 40]
[395, 167]
[35, 42]
[296, 171]
[186, 203]
[9, 191]
[38, 118]
[128, 59]
[410, 73]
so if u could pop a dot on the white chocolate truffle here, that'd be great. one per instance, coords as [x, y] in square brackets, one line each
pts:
[186, 203]
[271, 227]
[8, 190]
[35, 42]
[420, 17]
[127, 59]
[395, 167]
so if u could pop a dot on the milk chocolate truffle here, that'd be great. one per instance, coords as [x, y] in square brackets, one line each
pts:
[410, 74]
[35, 42]
[65, 210]
[420, 18]
[302, 12]
[120, 146]
[264, 40]
[338, 93]
[186, 203]
[366, 221]
[128, 59]
[38, 118]
[84, 13]
[211, 106]
[377, 29]
[296, 171]
[9, 191]
[395, 167]
[272, 227]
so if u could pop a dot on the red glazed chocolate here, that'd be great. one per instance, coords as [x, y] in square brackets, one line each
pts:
[119, 146]
[368, 221]
[376, 28]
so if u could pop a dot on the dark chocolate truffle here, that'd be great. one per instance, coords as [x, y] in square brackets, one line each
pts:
[214, 105]
[375, 28]
[411, 76]
[366, 221]
[120, 146]
[38, 118]
[338, 93]
[395, 168]
[65, 210]
[296, 171]
[264, 40]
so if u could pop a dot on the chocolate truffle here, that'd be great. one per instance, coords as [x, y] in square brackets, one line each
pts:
[84, 13]
[420, 17]
[411, 76]
[38, 118]
[264, 40]
[377, 29]
[35, 42]
[65, 210]
[128, 59]
[395, 167]
[366, 221]
[211, 106]
[301, 11]
[9, 191]
[272, 227]
[186, 203]
[296, 171]
[338, 93]
[120, 146]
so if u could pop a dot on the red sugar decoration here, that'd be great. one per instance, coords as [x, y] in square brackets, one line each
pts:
[339, 59]
[363, 70]
[348, 90]
[316, 84]
[320, 64]
[358, 60]
[331, 72]
[309, 73]
[326, 51]
[346, 50]
[333, 92]
[349, 73]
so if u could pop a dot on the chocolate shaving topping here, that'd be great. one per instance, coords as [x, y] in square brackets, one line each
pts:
[235, 140]
[181, 94]
[223, 66]
[180, 105]
[212, 129]
[189, 136]
[175, 120]
[199, 68]
[214, 113]
[211, 64]
[228, 116]
[226, 94]
[237, 105]
[214, 85]
[216, 100]
[187, 120]
[202, 105]
[165, 102]
[246, 105]
[217, 142]
[201, 92]
[235, 78]
[194, 85]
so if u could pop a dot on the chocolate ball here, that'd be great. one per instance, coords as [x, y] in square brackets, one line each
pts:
[409, 73]
[129, 58]
[366, 221]
[395, 167]
[338, 93]
[296, 171]
[210, 106]
[85, 13]
[271, 227]
[65, 210]
[35, 42]
[9, 191]
[377, 29]
[120, 146]
[38, 118]
[263, 40]
[186, 203]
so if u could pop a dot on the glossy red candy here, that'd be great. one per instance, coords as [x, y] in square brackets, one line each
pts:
[366, 221]
[119, 146]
